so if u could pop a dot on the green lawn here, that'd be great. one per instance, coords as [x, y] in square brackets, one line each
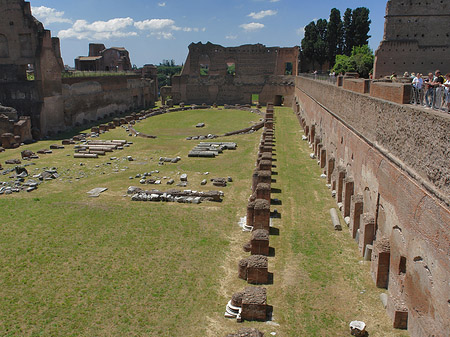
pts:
[71, 265]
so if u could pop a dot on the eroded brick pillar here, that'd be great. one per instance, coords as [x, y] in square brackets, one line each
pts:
[259, 243]
[330, 169]
[312, 134]
[317, 141]
[381, 256]
[250, 213]
[265, 165]
[348, 192]
[356, 209]
[261, 218]
[264, 177]
[398, 311]
[366, 231]
[255, 180]
[263, 191]
[323, 158]
[341, 173]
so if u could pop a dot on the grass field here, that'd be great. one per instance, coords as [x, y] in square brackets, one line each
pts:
[71, 265]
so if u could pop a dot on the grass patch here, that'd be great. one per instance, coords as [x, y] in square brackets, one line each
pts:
[73, 265]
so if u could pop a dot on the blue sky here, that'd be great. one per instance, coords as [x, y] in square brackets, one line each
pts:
[157, 30]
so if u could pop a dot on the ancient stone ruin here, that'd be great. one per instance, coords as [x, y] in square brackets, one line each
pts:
[51, 102]
[414, 38]
[215, 74]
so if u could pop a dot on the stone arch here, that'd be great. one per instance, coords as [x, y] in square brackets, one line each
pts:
[4, 48]
[204, 63]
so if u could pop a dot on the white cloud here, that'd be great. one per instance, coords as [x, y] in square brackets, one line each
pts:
[275, 0]
[156, 24]
[161, 4]
[301, 31]
[231, 37]
[262, 14]
[163, 28]
[251, 27]
[49, 15]
[163, 35]
[99, 30]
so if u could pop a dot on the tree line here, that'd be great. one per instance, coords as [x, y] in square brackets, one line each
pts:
[325, 39]
[166, 70]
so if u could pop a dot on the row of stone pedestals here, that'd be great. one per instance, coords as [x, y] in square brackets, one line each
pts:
[362, 224]
[251, 304]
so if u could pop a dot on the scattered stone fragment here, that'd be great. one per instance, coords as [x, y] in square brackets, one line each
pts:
[204, 182]
[200, 125]
[358, 328]
[13, 162]
[184, 177]
[94, 193]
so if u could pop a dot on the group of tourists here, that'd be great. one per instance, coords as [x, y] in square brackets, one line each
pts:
[432, 92]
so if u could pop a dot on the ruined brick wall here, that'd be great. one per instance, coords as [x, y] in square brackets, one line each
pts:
[416, 37]
[397, 161]
[258, 70]
[87, 99]
[24, 42]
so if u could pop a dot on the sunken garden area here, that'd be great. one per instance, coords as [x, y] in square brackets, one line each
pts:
[125, 262]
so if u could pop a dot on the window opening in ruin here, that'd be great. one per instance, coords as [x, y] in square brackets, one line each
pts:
[30, 72]
[231, 68]
[4, 49]
[402, 265]
[204, 69]
[255, 99]
[288, 68]
[278, 100]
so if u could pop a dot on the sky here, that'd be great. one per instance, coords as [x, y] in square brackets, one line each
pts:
[153, 31]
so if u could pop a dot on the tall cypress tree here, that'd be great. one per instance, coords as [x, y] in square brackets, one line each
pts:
[309, 41]
[361, 26]
[320, 48]
[348, 32]
[335, 38]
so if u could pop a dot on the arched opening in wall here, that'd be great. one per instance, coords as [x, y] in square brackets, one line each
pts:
[204, 63]
[288, 68]
[231, 68]
[4, 48]
[279, 100]
[255, 99]
[106, 68]
[30, 72]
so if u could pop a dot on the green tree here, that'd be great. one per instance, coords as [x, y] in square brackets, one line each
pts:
[309, 41]
[361, 26]
[348, 32]
[320, 46]
[360, 60]
[166, 70]
[334, 36]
